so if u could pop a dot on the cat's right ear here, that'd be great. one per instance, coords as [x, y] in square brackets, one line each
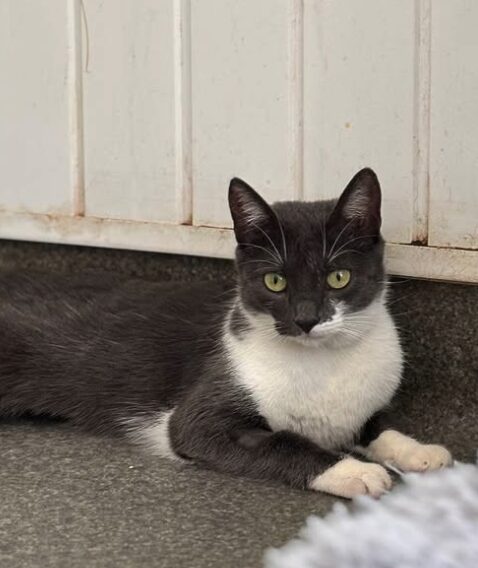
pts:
[359, 204]
[251, 215]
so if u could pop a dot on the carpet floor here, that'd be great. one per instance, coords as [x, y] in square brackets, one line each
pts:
[71, 499]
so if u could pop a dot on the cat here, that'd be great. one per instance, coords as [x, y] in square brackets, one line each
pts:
[281, 375]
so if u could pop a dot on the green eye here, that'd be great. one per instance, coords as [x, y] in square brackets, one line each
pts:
[275, 282]
[338, 279]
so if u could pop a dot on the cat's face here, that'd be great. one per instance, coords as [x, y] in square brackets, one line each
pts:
[310, 271]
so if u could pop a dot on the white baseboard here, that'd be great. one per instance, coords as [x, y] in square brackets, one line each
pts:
[406, 260]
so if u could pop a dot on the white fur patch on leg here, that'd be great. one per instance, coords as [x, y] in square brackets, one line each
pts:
[406, 454]
[153, 434]
[350, 477]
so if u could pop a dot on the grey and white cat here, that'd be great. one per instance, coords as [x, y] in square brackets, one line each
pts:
[282, 376]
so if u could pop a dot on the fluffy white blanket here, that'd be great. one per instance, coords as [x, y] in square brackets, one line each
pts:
[431, 521]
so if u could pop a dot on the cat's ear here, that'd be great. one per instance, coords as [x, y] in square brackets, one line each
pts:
[359, 205]
[251, 215]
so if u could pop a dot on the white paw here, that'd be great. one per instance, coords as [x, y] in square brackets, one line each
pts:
[351, 477]
[407, 454]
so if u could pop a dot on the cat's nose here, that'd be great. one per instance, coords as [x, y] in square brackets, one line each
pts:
[306, 324]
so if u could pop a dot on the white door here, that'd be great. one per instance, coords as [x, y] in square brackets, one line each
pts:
[121, 121]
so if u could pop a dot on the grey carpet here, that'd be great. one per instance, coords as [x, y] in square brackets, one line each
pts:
[69, 499]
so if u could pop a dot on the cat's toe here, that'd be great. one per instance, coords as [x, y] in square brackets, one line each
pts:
[350, 478]
[407, 454]
[425, 457]
[438, 457]
[350, 488]
[414, 460]
[376, 485]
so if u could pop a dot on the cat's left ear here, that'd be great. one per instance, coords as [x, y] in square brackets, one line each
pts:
[359, 205]
[253, 217]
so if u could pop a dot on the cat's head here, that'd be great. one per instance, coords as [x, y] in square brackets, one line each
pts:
[312, 271]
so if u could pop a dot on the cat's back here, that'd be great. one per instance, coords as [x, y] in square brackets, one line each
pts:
[59, 317]
[89, 346]
[32, 295]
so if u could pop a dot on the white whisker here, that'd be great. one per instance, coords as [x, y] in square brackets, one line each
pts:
[284, 246]
[332, 248]
[270, 240]
[344, 252]
[269, 252]
[261, 261]
[350, 241]
[324, 237]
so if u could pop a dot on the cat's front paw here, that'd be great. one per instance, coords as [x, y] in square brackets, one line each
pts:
[407, 454]
[350, 477]
[423, 457]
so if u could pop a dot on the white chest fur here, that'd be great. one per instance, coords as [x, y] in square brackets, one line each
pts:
[324, 393]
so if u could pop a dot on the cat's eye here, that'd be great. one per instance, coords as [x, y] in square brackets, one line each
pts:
[275, 281]
[338, 279]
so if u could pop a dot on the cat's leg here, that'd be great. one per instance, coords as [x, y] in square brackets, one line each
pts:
[390, 447]
[223, 440]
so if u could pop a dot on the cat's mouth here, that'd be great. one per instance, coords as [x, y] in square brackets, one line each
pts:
[341, 329]
[322, 336]
[329, 326]
[323, 330]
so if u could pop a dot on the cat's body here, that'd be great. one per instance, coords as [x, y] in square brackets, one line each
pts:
[274, 376]
[97, 350]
